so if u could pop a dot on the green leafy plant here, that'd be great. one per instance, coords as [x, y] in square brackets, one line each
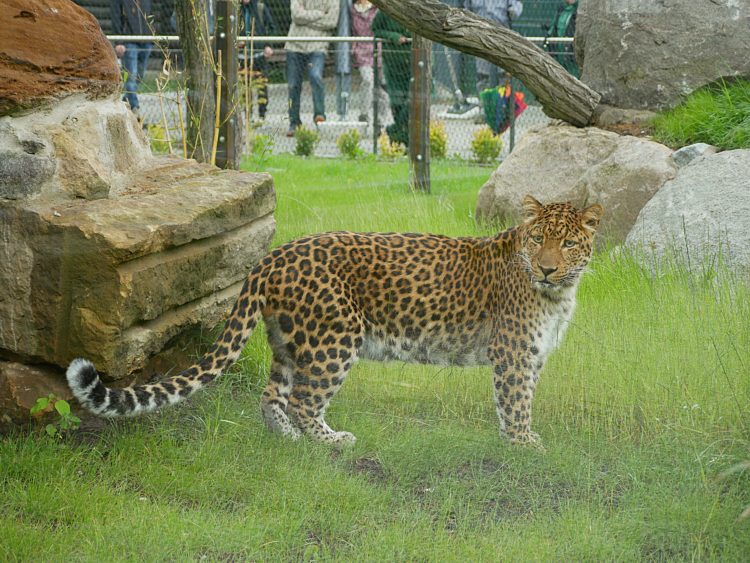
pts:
[485, 145]
[438, 140]
[261, 149]
[348, 144]
[390, 149]
[307, 140]
[158, 138]
[65, 421]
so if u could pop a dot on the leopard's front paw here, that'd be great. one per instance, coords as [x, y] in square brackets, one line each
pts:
[524, 438]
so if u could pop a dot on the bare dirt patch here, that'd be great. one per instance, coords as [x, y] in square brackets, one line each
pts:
[370, 468]
[633, 129]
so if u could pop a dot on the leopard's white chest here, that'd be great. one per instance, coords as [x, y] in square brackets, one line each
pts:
[554, 319]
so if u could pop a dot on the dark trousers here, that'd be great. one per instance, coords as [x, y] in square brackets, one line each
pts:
[295, 67]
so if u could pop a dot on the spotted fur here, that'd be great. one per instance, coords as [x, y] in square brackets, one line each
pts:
[330, 299]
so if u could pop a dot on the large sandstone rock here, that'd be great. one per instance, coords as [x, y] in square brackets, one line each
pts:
[115, 279]
[582, 166]
[700, 217]
[50, 49]
[106, 251]
[644, 54]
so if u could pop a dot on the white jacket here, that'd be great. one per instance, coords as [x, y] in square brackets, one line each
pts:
[312, 18]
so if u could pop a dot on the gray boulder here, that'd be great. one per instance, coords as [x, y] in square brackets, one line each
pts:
[582, 166]
[643, 54]
[701, 217]
[688, 154]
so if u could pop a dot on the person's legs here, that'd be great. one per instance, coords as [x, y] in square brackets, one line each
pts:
[130, 65]
[343, 94]
[366, 92]
[144, 52]
[317, 61]
[294, 66]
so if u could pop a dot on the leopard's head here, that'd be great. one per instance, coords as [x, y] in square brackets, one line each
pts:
[556, 242]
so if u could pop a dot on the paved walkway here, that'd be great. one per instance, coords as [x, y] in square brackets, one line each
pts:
[459, 130]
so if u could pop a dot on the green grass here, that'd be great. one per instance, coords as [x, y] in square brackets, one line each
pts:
[718, 115]
[641, 409]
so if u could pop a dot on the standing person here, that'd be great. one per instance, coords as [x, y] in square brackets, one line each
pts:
[343, 61]
[564, 25]
[310, 18]
[502, 12]
[397, 67]
[131, 17]
[362, 14]
[256, 19]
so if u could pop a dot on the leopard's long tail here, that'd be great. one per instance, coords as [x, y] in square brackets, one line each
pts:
[88, 388]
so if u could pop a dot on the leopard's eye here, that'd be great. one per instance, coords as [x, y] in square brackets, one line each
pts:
[569, 243]
[537, 238]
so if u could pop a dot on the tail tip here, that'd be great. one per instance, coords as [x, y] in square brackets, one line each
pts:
[81, 374]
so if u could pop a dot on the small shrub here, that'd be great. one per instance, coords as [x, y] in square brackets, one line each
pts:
[390, 149]
[261, 149]
[307, 140]
[438, 140]
[348, 144]
[65, 421]
[485, 145]
[158, 138]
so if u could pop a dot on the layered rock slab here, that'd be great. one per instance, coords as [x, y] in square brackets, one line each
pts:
[115, 279]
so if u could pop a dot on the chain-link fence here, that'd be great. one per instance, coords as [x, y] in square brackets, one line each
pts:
[338, 91]
[369, 100]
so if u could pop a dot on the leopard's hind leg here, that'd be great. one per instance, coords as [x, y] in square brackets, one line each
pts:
[275, 398]
[310, 397]
[321, 366]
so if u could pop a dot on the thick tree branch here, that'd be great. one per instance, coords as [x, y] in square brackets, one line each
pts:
[562, 96]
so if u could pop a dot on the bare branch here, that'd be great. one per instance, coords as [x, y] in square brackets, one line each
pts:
[562, 95]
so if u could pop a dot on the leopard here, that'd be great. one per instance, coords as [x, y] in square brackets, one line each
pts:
[331, 299]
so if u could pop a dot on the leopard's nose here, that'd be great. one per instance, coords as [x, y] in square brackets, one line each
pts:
[547, 271]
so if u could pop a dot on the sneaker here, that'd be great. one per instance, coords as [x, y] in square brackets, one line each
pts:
[319, 119]
[363, 117]
[291, 131]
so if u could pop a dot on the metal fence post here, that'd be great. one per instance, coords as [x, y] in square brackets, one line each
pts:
[512, 115]
[375, 85]
[419, 118]
[227, 151]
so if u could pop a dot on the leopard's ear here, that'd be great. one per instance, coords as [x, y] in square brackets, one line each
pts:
[591, 216]
[531, 208]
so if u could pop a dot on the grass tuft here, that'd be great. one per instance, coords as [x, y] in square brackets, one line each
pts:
[718, 115]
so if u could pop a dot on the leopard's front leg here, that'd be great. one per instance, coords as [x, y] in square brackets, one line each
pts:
[515, 373]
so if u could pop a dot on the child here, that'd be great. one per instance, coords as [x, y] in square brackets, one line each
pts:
[362, 13]
[397, 67]
[256, 20]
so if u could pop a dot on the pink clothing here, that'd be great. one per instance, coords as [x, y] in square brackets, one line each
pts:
[361, 22]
